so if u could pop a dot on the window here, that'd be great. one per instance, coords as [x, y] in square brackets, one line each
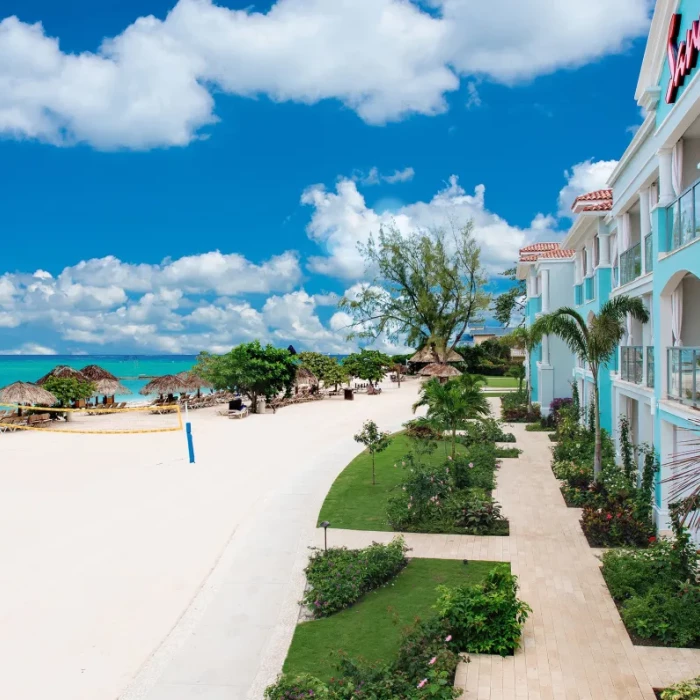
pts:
[585, 262]
[596, 251]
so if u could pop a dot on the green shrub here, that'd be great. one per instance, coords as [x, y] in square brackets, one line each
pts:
[688, 690]
[486, 618]
[338, 577]
[508, 452]
[475, 512]
[476, 469]
[671, 616]
[422, 429]
[484, 430]
[579, 476]
[299, 687]
[539, 428]
[616, 525]
[514, 409]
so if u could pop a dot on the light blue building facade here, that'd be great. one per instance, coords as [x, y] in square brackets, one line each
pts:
[641, 238]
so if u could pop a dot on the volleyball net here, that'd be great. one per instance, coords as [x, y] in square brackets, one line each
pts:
[96, 420]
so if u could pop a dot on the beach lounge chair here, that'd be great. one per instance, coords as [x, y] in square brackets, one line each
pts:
[242, 413]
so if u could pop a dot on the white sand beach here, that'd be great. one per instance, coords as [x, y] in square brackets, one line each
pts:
[129, 573]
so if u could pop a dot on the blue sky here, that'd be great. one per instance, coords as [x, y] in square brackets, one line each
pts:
[158, 157]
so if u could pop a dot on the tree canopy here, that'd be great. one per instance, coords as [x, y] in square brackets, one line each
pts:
[370, 365]
[510, 303]
[68, 389]
[427, 286]
[326, 369]
[250, 368]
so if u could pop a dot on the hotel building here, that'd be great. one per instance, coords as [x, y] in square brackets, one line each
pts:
[639, 237]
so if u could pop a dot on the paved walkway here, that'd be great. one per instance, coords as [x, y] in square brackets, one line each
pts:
[575, 646]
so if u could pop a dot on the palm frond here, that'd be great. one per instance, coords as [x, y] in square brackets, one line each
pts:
[566, 326]
[619, 307]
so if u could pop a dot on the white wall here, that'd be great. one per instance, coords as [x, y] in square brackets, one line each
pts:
[691, 158]
[690, 331]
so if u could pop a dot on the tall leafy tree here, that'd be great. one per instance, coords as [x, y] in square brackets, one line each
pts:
[325, 368]
[510, 305]
[427, 286]
[370, 365]
[595, 342]
[68, 389]
[250, 368]
[453, 403]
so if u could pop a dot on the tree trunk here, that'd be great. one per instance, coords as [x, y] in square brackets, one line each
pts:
[374, 482]
[454, 442]
[598, 455]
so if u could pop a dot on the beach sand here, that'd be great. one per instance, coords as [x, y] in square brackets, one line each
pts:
[127, 572]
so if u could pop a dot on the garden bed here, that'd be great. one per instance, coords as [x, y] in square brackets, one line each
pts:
[373, 627]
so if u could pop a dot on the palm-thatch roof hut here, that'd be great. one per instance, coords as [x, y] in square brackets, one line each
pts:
[26, 393]
[193, 382]
[95, 373]
[64, 372]
[305, 377]
[109, 387]
[442, 372]
[167, 384]
[430, 355]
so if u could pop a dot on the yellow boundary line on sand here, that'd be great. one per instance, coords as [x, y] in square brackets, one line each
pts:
[32, 410]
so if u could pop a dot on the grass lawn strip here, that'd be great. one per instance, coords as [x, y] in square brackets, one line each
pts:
[372, 628]
[354, 504]
[502, 382]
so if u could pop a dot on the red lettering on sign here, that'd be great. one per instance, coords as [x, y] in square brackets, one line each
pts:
[683, 57]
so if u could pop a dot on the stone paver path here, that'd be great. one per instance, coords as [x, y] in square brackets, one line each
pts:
[575, 646]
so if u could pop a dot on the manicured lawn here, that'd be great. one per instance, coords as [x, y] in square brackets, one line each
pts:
[372, 627]
[354, 504]
[502, 382]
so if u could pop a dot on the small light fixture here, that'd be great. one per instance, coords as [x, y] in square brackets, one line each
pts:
[325, 525]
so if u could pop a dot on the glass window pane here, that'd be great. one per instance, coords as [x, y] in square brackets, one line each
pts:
[697, 211]
[675, 225]
[687, 223]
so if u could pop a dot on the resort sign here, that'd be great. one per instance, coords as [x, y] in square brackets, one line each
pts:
[683, 57]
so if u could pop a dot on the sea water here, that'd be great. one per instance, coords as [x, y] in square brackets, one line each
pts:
[133, 371]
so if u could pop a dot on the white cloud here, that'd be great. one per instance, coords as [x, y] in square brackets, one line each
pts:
[473, 96]
[342, 219]
[152, 84]
[374, 177]
[30, 349]
[582, 178]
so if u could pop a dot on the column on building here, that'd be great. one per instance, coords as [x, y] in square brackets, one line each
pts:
[545, 291]
[645, 224]
[666, 191]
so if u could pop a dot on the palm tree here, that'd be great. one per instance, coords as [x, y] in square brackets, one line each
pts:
[523, 339]
[685, 480]
[453, 403]
[596, 343]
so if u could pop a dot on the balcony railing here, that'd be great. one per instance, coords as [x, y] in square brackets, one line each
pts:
[684, 375]
[683, 222]
[648, 253]
[589, 284]
[631, 264]
[631, 363]
[650, 366]
[578, 294]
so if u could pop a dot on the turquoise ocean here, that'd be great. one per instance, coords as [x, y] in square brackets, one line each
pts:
[134, 371]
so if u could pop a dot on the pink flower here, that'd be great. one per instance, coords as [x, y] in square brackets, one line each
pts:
[433, 660]
[449, 457]
[471, 465]
[422, 683]
[448, 638]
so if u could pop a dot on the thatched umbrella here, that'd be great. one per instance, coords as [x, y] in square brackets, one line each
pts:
[305, 377]
[95, 373]
[64, 372]
[442, 372]
[167, 384]
[192, 382]
[429, 355]
[109, 387]
[26, 393]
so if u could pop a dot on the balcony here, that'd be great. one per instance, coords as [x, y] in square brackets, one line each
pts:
[578, 294]
[632, 363]
[631, 264]
[684, 375]
[683, 222]
[589, 283]
[648, 253]
[650, 366]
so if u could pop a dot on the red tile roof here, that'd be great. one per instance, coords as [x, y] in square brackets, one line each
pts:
[529, 258]
[538, 247]
[559, 253]
[595, 196]
[604, 206]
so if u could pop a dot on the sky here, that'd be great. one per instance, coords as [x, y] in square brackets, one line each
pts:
[181, 175]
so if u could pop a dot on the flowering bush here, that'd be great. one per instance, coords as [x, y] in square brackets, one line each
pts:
[422, 429]
[486, 618]
[576, 475]
[476, 468]
[688, 690]
[339, 576]
[514, 408]
[615, 525]
[484, 430]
